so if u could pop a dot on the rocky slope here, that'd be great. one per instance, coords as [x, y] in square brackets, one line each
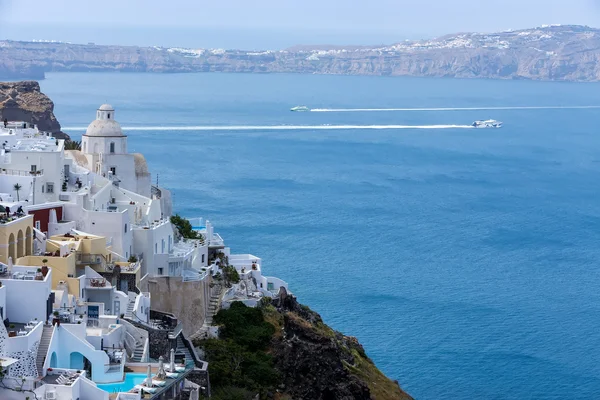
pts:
[550, 52]
[316, 362]
[284, 351]
[24, 101]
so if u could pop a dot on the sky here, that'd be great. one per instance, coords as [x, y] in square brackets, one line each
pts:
[275, 24]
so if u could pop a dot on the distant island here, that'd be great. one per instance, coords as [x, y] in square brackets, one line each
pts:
[549, 52]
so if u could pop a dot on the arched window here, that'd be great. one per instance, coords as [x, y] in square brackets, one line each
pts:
[112, 147]
[108, 115]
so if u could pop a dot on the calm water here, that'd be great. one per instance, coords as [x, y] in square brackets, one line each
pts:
[464, 260]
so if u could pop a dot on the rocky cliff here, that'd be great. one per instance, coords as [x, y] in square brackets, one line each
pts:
[551, 52]
[284, 351]
[24, 101]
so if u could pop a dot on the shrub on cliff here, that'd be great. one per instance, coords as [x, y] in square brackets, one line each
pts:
[184, 227]
[245, 326]
[239, 366]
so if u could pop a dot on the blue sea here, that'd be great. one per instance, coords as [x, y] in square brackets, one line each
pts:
[464, 260]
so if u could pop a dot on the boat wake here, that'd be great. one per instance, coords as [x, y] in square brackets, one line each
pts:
[454, 108]
[274, 127]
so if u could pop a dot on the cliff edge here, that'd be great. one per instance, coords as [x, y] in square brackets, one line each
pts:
[548, 52]
[24, 101]
[283, 351]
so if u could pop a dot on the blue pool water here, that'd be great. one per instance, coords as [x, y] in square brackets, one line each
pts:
[130, 381]
[464, 260]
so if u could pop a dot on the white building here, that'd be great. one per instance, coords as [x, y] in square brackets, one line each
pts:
[105, 148]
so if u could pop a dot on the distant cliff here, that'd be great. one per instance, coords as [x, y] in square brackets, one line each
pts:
[24, 101]
[550, 52]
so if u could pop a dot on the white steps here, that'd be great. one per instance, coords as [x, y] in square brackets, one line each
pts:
[43, 348]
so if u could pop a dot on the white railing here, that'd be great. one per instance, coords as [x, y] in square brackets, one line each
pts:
[17, 172]
[146, 352]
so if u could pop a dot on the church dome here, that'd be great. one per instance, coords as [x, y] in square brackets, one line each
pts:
[105, 124]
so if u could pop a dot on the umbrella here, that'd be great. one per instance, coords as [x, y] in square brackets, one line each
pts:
[149, 377]
[172, 361]
[10, 265]
[194, 394]
[161, 374]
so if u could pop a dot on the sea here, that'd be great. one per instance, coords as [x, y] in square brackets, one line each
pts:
[464, 260]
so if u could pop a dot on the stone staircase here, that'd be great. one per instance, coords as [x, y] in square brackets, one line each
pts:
[129, 312]
[43, 348]
[183, 349]
[137, 353]
[213, 307]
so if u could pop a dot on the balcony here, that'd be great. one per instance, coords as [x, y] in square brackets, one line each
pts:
[17, 172]
[89, 259]
[97, 283]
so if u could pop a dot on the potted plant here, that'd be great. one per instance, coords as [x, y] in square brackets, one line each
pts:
[12, 333]
[55, 320]
[44, 267]
[38, 275]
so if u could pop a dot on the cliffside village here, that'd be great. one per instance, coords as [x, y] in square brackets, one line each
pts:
[99, 292]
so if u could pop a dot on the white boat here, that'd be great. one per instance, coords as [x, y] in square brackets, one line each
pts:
[300, 108]
[489, 123]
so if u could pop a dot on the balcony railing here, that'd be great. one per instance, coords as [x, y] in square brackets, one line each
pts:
[89, 258]
[17, 172]
[96, 283]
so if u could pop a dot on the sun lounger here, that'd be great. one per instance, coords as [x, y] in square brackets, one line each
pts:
[172, 375]
[156, 382]
[146, 389]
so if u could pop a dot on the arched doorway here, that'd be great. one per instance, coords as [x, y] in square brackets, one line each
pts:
[76, 360]
[28, 242]
[53, 362]
[12, 247]
[20, 244]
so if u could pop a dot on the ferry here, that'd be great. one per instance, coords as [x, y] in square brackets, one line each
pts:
[490, 123]
[300, 108]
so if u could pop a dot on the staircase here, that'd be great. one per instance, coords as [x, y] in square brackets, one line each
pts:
[129, 312]
[213, 307]
[43, 348]
[137, 353]
[181, 348]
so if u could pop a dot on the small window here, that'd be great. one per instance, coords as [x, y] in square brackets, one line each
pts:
[33, 168]
[37, 225]
[113, 170]
[43, 189]
[112, 147]
[160, 271]
[108, 115]
[125, 228]
[50, 187]
[155, 248]
[202, 257]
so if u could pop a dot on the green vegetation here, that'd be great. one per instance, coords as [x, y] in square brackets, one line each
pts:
[185, 228]
[230, 275]
[132, 259]
[239, 365]
[72, 145]
[17, 187]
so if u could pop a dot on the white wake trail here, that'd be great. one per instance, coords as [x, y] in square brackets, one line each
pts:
[275, 127]
[454, 108]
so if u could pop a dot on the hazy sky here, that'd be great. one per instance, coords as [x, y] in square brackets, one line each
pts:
[276, 23]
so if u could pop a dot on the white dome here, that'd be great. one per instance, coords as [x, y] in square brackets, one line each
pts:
[104, 127]
[105, 124]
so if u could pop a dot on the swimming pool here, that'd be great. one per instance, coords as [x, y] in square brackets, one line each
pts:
[130, 381]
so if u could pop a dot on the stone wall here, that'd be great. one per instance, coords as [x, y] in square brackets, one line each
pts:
[158, 341]
[188, 301]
